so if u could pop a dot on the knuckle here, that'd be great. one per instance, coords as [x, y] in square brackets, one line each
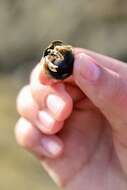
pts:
[24, 132]
[109, 88]
[35, 84]
[20, 98]
[113, 92]
[26, 106]
[35, 73]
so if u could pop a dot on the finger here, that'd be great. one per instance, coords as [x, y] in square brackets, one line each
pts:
[47, 123]
[39, 90]
[108, 62]
[59, 106]
[42, 119]
[54, 97]
[105, 88]
[34, 141]
[26, 105]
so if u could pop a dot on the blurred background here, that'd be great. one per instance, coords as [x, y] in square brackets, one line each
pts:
[26, 28]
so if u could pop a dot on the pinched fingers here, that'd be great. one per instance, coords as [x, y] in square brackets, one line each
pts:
[43, 110]
[42, 119]
[29, 137]
[50, 115]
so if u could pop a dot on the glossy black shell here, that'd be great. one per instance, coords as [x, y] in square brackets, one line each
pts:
[65, 67]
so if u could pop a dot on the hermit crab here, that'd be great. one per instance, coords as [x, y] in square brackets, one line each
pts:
[58, 60]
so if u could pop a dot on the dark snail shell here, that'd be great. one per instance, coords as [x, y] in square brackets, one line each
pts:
[58, 60]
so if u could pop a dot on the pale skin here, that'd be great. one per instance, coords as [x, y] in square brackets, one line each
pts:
[78, 128]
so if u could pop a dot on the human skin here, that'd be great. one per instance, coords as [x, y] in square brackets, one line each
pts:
[78, 128]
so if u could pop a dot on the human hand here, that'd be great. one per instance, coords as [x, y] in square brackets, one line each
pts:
[78, 128]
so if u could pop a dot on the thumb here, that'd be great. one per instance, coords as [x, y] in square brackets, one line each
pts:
[104, 87]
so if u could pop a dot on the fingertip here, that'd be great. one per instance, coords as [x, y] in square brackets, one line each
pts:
[48, 124]
[40, 74]
[60, 106]
[45, 79]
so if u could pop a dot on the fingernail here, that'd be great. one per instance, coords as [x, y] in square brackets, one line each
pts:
[52, 147]
[55, 103]
[86, 67]
[46, 119]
